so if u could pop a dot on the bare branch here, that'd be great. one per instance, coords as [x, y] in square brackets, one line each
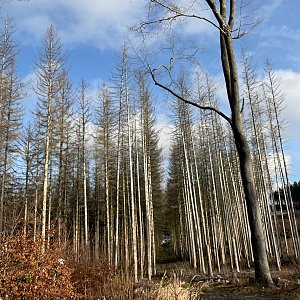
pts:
[243, 105]
[179, 15]
[223, 8]
[242, 24]
[240, 35]
[151, 71]
[212, 4]
[232, 14]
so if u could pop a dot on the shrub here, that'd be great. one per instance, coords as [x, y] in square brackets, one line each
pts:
[97, 280]
[28, 273]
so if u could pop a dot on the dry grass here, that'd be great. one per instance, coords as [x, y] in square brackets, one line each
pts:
[178, 289]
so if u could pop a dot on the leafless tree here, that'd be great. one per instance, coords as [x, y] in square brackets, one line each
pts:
[49, 67]
[222, 17]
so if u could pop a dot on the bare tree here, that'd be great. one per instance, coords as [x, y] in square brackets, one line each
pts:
[10, 110]
[64, 114]
[223, 17]
[83, 122]
[104, 140]
[27, 156]
[48, 70]
[274, 100]
[150, 158]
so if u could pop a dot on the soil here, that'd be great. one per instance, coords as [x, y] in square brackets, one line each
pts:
[249, 292]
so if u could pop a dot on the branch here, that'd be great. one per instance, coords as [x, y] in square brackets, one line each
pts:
[186, 100]
[214, 8]
[240, 32]
[243, 105]
[240, 35]
[178, 15]
[232, 14]
[223, 8]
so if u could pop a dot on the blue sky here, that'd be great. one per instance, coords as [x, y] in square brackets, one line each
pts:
[93, 32]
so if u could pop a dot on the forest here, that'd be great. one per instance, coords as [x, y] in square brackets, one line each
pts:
[91, 209]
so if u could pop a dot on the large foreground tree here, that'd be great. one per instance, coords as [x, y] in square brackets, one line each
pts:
[222, 16]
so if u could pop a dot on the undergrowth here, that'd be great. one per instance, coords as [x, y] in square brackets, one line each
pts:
[27, 272]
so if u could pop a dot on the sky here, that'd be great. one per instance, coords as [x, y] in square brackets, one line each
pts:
[93, 32]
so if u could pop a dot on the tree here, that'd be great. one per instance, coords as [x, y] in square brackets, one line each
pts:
[104, 140]
[151, 171]
[262, 175]
[274, 99]
[163, 12]
[49, 68]
[64, 128]
[10, 111]
[83, 122]
[27, 157]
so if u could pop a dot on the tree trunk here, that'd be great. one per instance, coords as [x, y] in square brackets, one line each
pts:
[262, 271]
[230, 71]
[45, 178]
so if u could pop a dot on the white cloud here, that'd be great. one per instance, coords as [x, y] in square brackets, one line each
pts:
[278, 37]
[267, 9]
[165, 136]
[97, 22]
[194, 26]
[290, 85]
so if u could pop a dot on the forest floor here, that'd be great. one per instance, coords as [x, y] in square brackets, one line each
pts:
[178, 281]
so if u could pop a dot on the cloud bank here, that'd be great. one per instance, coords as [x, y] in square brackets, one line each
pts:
[99, 23]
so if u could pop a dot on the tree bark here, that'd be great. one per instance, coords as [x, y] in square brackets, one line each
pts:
[262, 271]
[230, 71]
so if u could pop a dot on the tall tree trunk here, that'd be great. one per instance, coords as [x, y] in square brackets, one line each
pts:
[132, 197]
[45, 177]
[262, 271]
[230, 71]
[28, 166]
[36, 193]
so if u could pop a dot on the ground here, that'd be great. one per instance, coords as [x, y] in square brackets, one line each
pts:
[178, 281]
